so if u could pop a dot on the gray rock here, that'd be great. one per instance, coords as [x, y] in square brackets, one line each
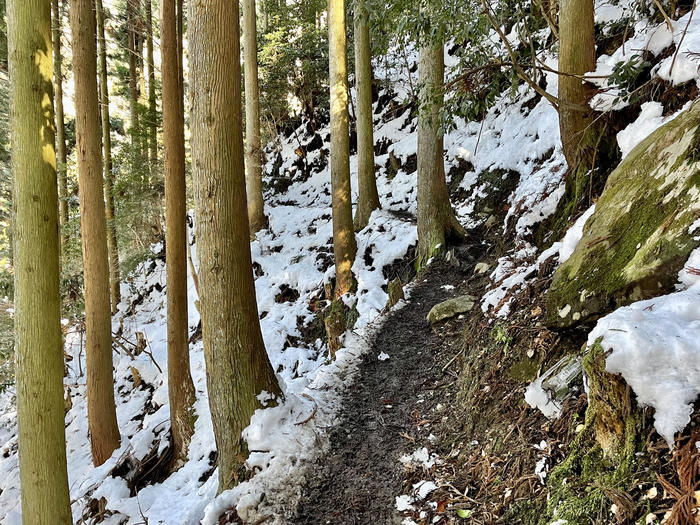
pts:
[481, 268]
[451, 307]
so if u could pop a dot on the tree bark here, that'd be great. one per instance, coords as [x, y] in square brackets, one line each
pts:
[3, 37]
[152, 124]
[180, 386]
[436, 220]
[576, 57]
[60, 122]
[368, 198]
[238, 368]
[38, 341]
[344, 244]
[112, 250]
[180, 52]
[134, 131]
[102, 418]
[253, 150]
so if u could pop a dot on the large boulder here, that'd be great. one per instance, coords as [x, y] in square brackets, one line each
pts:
[644, 227]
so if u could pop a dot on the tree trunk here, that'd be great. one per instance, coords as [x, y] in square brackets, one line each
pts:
[112, 251]
[253, 150]
[576, 56]
[180, 53]
[180, 386]
[60, 122]
[238, 368]
[133, 75]
[344, 244]
[152, 124]
[368, 198]
[436, 220]
[3, 37]
[38, 341]
[102, 418]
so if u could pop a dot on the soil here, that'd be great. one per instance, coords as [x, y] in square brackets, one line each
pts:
[358, 480]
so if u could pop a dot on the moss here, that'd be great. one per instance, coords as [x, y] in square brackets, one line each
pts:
[581, 486]
[337, 320]
[578, 486]
[524, 512]
[638, 239]
[524, 370]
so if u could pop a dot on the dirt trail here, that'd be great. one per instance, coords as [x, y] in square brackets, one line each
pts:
[357, 481]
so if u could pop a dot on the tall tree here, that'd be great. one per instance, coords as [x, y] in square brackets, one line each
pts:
[3, 36]
[38, 340]
[576, 57]
[180, 386]
[344, 244]
[132, 47]
[238, 368]
[436, 220]
[253, 150]
[60, 120]
[368, 198]
[112, 250]
[102, 418]
[150, 66]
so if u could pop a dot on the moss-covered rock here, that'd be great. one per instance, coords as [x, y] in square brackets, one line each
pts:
[450, 308]
[638, 238]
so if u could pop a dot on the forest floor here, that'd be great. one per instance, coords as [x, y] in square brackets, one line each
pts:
[391, 402]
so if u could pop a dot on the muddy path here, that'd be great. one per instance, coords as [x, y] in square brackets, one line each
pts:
[359, 478]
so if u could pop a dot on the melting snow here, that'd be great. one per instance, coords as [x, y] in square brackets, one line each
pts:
[655, 345]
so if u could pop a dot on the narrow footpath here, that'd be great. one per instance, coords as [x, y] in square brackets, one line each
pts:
[358, 480]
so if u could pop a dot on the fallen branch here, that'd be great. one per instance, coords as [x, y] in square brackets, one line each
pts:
[313, 412]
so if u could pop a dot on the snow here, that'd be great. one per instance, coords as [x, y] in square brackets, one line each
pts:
[541, 470]
[514, 139]
[420, 491]
[655, 345]
[291, 255]
[424, 488]
[650, 119]
[573, 236]
[536, 397]
[513, 272]
[404, 503]
[690, 273]
[420, 457]
[683, 65]
[657, 352]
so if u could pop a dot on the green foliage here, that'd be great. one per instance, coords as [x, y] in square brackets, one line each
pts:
[138, 197]
[6, 275]
[7, 373]
[500, 335]
[625, 78]
[293, 64]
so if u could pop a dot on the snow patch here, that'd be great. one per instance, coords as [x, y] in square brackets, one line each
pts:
[655, 345]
